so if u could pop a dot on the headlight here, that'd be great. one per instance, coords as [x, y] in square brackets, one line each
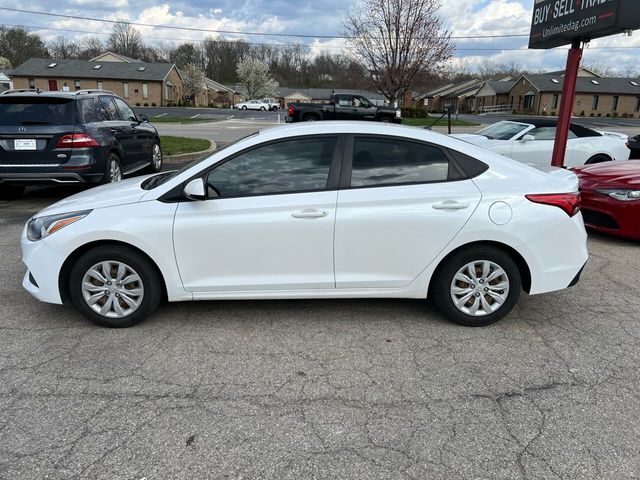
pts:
[621, 194]
[41, 227]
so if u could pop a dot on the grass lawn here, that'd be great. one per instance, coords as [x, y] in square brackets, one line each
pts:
[168, 119]
[176, 145]
[423, 122]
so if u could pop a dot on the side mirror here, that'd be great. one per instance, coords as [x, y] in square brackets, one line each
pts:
[144, 118]
[528, 138]
[194, 190]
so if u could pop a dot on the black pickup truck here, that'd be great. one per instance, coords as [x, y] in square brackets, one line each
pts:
[342, 106]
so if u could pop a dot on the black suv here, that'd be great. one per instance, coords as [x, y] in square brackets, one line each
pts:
[87, 136]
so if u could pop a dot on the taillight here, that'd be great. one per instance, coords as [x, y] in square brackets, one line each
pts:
[568, 202]
[77, 140]
[291, 111]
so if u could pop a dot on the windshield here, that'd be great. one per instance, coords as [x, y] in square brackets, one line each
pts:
[20, 110]
[162, 177]
[503, 130]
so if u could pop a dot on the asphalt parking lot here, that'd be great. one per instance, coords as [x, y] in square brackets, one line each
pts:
[350, 389]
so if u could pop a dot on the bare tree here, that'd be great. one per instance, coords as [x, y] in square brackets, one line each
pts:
[63, 49]
[90, 47]
[125, 40]
[396, 40]
[601, 69]
[255, 77]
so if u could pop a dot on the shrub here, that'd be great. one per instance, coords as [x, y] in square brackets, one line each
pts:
[137, 104]
[592, 114]
[146, 104]
[582, 113]
[414, 112]
[153, 104]
[515, 112]
[625, 115]
[608, 115]
[614, 114]
[553, 113]
[599, 114]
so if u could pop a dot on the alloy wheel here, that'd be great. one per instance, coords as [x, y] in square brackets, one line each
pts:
[115, 174]
[157, 156]
[112, 289]
[480, 288]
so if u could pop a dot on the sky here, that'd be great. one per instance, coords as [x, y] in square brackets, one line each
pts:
[321, 18]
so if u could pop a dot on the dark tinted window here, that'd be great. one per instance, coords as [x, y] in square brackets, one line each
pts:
[16, 110]
[109, 108]
[125, 110]
[386, 161]
[91, 110]
[291, 166]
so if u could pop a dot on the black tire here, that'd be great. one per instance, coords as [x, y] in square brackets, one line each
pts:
[11, 192]
[309, 118]
[385, 120]
[155, 167]
[441, 287]
[598, 159]
[147, 272]
[109, 176]
[244, 107]
[262, 109]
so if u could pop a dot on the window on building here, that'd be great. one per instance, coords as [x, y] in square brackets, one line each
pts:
[32, 83]
[99, 85]
[637, 104]
[594, 102]
[554, 101]
[125, 89]
[77, 84]
[529, 101]
[614, 103]
[145, 90]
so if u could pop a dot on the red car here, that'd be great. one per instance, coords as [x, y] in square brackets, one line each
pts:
[611, 197]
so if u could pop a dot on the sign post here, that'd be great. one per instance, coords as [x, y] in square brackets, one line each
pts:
[572, 22]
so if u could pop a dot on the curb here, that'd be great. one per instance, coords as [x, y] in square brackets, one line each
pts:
[188, 157]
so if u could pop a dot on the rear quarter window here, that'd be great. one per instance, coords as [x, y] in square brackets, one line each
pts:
[36, 111]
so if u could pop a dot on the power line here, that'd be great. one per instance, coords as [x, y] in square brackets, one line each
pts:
[334, 47]
[228, 32]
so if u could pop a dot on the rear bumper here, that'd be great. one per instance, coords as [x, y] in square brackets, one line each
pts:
[47, 178]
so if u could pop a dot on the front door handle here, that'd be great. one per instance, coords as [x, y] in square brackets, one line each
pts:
[450, 205]
[310, 213]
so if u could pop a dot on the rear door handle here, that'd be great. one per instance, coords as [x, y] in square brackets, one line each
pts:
[450, 205]
[310, 213]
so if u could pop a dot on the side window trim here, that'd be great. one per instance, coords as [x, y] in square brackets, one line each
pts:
[334, 169]
[347, 162]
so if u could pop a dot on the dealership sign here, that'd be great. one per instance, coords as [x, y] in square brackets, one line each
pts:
[562, 22]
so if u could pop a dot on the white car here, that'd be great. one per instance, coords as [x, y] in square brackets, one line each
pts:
[531, 141]
[272, 102]
[252, 105]
[322, 210]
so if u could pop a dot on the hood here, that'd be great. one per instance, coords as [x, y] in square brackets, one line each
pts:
[111, 195]
[610, 174]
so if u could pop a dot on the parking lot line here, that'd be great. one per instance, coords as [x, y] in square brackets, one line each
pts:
[196, 115]
[161, 115]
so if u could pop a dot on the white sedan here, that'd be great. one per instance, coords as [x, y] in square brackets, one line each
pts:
[531, 141]
[252, 105]
[322, 210]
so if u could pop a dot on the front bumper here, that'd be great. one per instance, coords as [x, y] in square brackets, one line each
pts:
[44, 264]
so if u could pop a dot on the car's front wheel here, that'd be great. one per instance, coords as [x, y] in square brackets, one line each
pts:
[156, 158]
[114, 286]
[262, 109]
[244, 107]
[477, 286]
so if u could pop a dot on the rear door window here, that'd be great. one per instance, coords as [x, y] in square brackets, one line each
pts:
[390, 161]
[19, 110]
[109, 108]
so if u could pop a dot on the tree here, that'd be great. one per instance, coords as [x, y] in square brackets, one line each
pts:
[63, 49]
[5, 64]
[193, 81]
[187, 54]
[18, 45]
[396, 40]
[255, 78]
[125, 40]
[90, 47]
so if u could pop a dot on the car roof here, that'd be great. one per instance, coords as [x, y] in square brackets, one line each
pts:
[70, 95]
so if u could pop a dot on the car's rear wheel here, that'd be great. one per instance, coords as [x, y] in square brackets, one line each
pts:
[244, 107]
[598, 159]
[309, 118]
[262, 109]
[11, 192]
[477, 286]
[156, 158]
[385, 120]
[113, 170]
[114, 286]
